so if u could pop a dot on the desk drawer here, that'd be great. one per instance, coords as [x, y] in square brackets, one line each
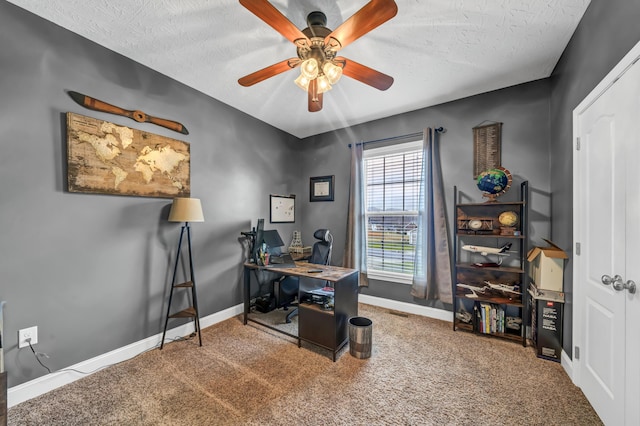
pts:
[317, 326]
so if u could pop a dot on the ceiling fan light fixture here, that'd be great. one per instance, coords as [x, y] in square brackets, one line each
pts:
[302, 82]
[323, 84]
[332, 72]
[309, 68]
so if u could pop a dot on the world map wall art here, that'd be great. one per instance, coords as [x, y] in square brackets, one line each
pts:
[106, 158]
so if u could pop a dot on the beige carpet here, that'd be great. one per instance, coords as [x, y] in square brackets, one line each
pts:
[420, 373]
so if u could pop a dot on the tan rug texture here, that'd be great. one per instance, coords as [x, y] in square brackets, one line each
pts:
[420, 373]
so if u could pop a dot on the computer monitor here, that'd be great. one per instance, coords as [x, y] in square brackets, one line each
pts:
[273, 241]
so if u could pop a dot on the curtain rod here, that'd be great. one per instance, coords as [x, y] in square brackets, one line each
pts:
[393, 138]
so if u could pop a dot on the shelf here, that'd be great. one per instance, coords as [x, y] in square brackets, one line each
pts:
[316, 307]
[459, 325]
[505, 269]
[508, 336]
[473, 235]
[492, 204]
[186, 313]
[491, 299]
[463, 325]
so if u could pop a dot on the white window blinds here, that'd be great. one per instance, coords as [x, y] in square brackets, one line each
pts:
[392, 188]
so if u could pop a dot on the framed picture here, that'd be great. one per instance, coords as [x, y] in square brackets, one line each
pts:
[106, 158]
[321, 188]
[283, 208]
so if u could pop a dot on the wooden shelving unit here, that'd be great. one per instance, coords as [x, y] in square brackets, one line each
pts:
[478, 307]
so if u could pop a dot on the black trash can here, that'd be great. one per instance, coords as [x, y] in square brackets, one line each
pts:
[360, 331]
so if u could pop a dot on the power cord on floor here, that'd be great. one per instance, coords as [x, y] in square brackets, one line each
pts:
[38, 355]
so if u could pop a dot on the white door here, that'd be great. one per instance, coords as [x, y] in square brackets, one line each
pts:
[606, 320]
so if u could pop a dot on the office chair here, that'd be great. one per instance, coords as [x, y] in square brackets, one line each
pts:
[320, 255]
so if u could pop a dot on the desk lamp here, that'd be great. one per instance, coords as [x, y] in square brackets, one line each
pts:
[185, 210]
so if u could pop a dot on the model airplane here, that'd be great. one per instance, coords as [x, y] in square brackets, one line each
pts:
[505, 288]
[509, 291]
[473, 289]
[500, 251]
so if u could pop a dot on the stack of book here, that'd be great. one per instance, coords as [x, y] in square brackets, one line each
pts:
[491, 318]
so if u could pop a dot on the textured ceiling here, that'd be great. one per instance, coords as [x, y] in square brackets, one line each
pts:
[436, 50]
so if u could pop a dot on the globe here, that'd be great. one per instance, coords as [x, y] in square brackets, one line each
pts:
[494, 182]
[508, 218]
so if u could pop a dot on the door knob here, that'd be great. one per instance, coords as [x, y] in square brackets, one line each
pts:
[616, 281]
[618, 284]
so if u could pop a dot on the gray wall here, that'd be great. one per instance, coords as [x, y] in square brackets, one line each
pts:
[608, 30]
[524, 110]
[92, 271]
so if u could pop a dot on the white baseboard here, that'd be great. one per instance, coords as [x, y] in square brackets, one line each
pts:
[409, 308]
[49, 382]
[567, 364]
[44, 384]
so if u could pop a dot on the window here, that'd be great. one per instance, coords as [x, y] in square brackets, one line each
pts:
[392, 190]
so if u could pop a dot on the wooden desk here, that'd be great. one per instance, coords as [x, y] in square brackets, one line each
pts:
[325, 328]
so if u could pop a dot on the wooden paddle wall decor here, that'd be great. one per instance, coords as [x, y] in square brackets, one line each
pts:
[137, 115]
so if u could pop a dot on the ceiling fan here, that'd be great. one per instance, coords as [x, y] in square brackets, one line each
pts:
[317, 47]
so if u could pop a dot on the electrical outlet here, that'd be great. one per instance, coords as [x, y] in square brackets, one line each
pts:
[27, 333]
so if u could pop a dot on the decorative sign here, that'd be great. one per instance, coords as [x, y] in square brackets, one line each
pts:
[106, 158]
[486, 147]
[283, 208]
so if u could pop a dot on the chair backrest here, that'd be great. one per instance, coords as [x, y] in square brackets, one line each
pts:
[321, 252]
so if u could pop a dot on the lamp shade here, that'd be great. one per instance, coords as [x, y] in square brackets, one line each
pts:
[309, 68]
[323, 84]
[333, 72]
[303, 82]
[186, 210]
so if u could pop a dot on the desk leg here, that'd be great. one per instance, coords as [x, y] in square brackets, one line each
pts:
[247, 288]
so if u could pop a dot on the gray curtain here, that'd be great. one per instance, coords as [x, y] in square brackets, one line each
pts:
[355, 250]
[432, 269]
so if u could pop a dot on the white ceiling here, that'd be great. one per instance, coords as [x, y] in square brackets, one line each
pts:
[436, 50]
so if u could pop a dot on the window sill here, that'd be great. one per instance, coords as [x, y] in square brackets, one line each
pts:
[390, 277]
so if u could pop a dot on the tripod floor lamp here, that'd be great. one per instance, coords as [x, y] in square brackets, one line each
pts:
[184, 210]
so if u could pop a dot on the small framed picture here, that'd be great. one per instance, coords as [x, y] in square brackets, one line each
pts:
[283, 208]
[321, 188]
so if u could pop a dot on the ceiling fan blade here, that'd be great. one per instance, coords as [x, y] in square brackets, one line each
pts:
[270, 71]
[365, 74]
[315, 102]
[372, 15]
[272, 16]
[315, 106]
